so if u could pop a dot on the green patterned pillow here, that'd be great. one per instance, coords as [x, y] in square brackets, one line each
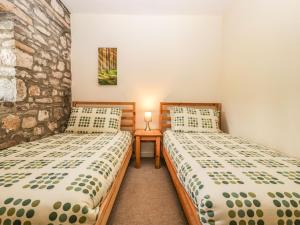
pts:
[187, 119]
[94, 120]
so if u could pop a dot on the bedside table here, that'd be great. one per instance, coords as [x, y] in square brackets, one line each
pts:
[142, 135]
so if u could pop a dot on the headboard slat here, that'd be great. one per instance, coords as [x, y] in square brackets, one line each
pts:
[165, 118]
[128, 111]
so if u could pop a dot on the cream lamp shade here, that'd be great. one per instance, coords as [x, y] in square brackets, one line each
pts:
[148, 116]
[148, 119]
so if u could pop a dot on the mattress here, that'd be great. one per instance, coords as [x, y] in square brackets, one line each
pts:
[61, 179]
[232, 181]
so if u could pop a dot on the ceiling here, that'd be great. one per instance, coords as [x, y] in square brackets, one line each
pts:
[147, 6]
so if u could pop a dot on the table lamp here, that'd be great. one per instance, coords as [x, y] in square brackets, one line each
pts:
[148, 119]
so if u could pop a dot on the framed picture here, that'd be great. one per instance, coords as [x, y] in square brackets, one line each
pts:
[107, 72]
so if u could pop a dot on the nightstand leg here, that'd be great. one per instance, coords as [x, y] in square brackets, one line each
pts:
[157, 153]
[137, 152]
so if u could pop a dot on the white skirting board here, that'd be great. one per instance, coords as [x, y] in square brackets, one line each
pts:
[147, 150]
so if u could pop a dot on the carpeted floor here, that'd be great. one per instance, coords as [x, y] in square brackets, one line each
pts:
[147, 197]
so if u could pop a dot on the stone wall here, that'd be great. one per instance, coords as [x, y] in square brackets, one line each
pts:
[35, 77]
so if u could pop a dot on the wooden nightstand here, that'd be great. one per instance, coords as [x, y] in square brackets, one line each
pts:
[142, 135]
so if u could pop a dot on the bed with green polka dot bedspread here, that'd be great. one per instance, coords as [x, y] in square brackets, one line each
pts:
[61, 179]
[232, 181]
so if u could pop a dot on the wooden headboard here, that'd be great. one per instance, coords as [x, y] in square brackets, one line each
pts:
[128, 111]
[165, 118]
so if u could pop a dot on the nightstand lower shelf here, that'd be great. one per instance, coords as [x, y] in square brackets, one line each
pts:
[146, 136]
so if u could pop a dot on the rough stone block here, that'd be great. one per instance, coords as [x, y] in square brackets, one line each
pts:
[57, 7]
[38, 130]
[7, 72]
[6, 25]
[42, 16]
[57, 74]
[8, 43]
[23, 59]
[40, 76]
[11, 123]
[61, 66]
[21, 90]
[7, 90]
[7, 57]
[29, 122]
[34, 90]
[52, 126]
[44, 100]
[43, 115]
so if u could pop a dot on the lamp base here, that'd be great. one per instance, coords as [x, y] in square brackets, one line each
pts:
[147, 127]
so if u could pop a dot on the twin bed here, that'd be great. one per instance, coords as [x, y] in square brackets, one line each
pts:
[68, 178]
[73, 178]
[225, 180]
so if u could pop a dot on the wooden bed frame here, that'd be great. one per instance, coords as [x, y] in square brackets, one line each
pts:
[128, 124]
[188, 206]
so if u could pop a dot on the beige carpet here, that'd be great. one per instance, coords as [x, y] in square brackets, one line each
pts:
[147, 197]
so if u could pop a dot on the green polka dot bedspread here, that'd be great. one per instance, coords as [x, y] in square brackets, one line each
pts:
[232, 181]
[61, 179]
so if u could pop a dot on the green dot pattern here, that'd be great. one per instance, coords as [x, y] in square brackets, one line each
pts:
[222, 178]
[85, 184]
[248, 154]
[115, 150]
[270, 163]
[46, 181]
[224, 154]
[28, 154]
[213, 147]
[243, 208]
[294, 162]
[7, 152]
[198, 154]
[56, 154]
[67, 213]
[262, 177]
[273, 154]
[234, 147]
[291, 175]
[48, 147]
[9, 179]
[195, 186]
[288, 207]
[178, 159]
[9, 164]
[191, 148]
[184, 171]
[68, 164]
[18, 211]
[83, 154]
[240, 163]
[209, 163]
[206, 211]
[110, 157]
[36, 164]
[101, 167]
[71, 148]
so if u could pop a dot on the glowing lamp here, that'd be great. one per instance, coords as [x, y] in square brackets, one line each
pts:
[148, 119]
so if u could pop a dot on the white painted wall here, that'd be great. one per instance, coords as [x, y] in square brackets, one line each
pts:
[248, 60]
[160, 58]
[261, 82]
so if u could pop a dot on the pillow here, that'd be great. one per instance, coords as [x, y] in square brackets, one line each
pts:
[94, 120]
[187, 119]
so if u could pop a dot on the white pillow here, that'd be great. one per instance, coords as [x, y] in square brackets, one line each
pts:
[188, 119]
[94, 120]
